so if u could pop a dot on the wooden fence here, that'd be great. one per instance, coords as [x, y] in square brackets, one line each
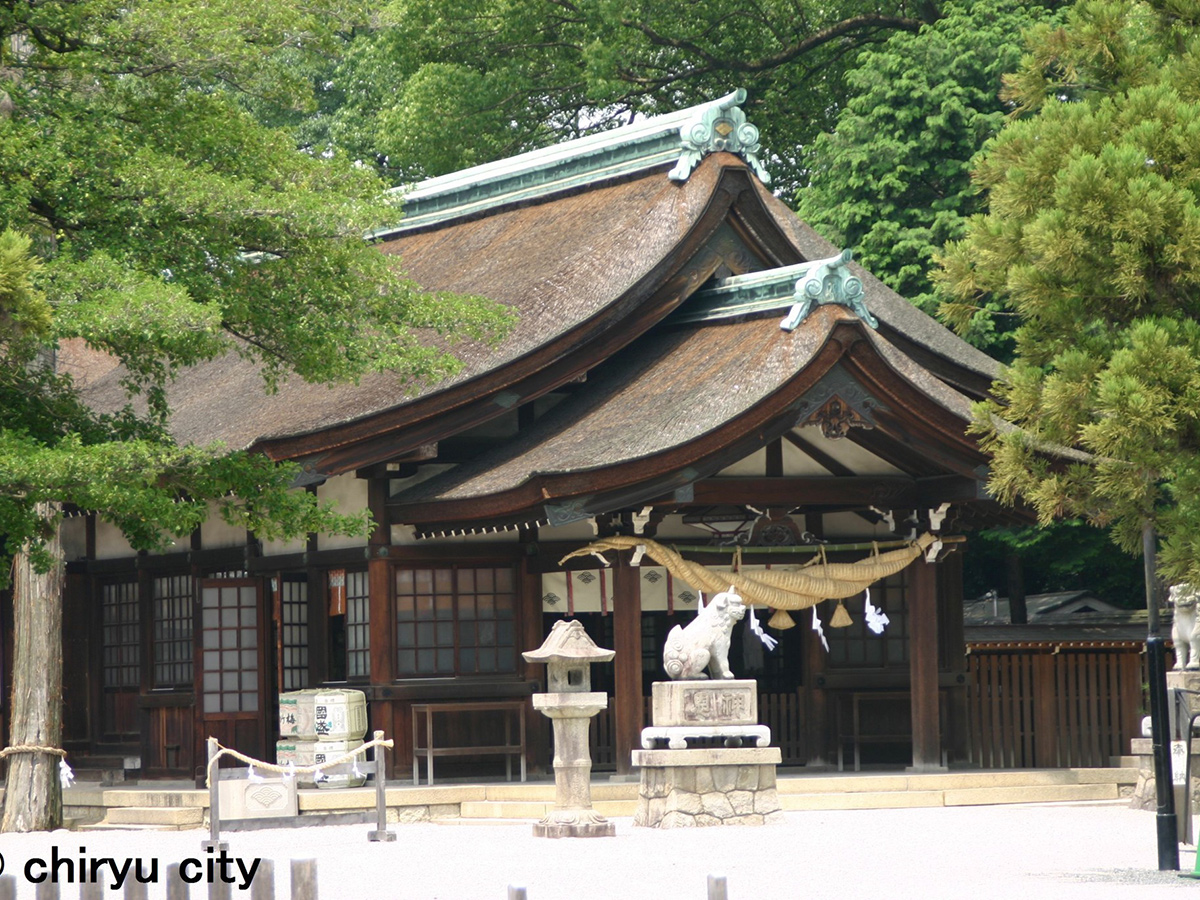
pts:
[1052, 706]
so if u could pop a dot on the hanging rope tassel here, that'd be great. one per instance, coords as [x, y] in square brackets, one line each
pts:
[841, 618]
[781, 621]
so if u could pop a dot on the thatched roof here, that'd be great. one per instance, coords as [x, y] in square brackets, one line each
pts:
[589, 265]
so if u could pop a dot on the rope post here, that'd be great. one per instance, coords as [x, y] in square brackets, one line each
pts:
[717, 888]
[214, 841]
[263, 885]
[176, 888]
[91, 890]
[8, 887]
[380, 833]
[304, 879]
[515, 892]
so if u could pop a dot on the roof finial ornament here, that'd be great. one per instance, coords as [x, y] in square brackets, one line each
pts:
[829, 281]
[721, 125]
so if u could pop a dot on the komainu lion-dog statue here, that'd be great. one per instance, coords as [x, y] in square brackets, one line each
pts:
[1186, 630]
[704, 641]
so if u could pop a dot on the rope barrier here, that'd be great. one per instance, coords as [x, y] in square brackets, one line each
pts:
[32, 748]
[290, 770]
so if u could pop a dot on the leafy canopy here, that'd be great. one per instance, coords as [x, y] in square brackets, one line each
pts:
[145, 211]
[1093, 237]
[892, 180]
[431, 88]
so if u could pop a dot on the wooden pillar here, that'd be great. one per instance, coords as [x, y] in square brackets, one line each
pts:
[816, 698]
[954, 644]
[923, 665]
[537, 726]
[816, 707]
[627, 640]
[381, 627]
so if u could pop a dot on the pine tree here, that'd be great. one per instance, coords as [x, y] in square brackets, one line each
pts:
[1092, 236]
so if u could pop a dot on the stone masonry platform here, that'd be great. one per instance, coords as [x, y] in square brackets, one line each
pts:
[797, 789]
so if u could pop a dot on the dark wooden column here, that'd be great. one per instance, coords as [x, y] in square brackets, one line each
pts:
[382, 632]
[627, 640]
[532, 634]
[817, 728]
[923, 665]
[954, 652]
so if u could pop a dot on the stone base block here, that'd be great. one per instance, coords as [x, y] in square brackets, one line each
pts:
[688, 789]
[574, 823]
[699, 703]
[677, 736]
[558, 830]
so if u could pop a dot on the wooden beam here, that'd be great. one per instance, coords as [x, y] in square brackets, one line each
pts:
[887, 492]
[923, 666]
[817, 455]
[391, 468]
[627, 642]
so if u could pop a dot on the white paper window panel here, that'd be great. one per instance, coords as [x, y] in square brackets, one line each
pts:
[652, 580]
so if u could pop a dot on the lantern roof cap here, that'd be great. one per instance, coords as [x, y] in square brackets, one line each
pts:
[568, 641]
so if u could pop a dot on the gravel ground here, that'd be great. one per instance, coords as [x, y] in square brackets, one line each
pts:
[1089, 852]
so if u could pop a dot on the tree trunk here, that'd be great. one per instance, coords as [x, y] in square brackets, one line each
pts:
[1017, 611]
[32, 794]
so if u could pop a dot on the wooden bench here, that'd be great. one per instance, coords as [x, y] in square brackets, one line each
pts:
[425, 711]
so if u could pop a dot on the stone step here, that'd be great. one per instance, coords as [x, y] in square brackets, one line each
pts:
[861, 800]
[529, 809]
[1052, 793]
[154, 815]
[104, 826]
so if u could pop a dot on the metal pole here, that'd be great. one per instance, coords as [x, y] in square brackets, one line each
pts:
[1156, 659]
[381, 832]
[717, 888]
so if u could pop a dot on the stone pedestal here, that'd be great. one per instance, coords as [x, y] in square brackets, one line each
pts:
[727, 710]
[572, 815]
[1144, 794]
[689, 788]
[684, 787]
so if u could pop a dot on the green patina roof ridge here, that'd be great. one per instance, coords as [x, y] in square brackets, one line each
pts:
[640, 146]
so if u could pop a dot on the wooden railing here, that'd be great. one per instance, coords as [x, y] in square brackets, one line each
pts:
[1052, 706]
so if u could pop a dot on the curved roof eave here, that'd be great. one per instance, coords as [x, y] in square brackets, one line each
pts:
[519, 478]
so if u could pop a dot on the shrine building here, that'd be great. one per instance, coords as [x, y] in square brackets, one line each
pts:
[691, 367]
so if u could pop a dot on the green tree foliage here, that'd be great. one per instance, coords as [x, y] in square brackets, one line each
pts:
[1068, 556]
[892, 180]
[431, 88]
[1093, 237]
[145, 211]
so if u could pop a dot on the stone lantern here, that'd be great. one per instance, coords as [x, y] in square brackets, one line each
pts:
[569, 703]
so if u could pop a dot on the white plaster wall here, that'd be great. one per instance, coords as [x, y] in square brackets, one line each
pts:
[348, 493]
[849, 454]
[297, 545]
[753, 465]
[110, 543]
[797, 463]
[73, 534]
[673, 527]
[216, 533]
[846, 526]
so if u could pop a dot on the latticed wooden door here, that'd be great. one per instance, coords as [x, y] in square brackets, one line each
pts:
[232, 693]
